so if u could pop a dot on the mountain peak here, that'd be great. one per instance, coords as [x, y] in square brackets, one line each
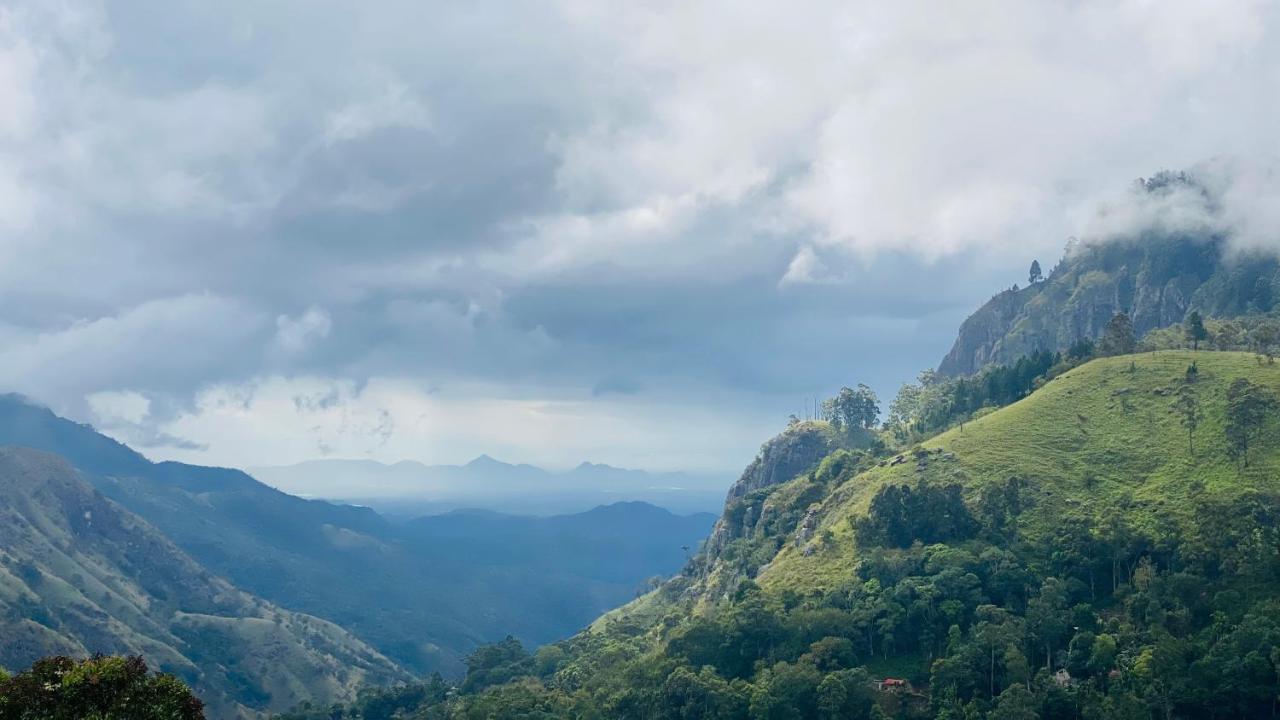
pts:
[486, 460]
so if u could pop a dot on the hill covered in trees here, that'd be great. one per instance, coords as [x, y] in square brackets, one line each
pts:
[1101, 548]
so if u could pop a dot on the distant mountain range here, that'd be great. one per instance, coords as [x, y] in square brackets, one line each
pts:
[421, 594]
[411, 488]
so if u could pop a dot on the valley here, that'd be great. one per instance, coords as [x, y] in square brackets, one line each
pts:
[423, 592]
[1082, 547]
[837, 360]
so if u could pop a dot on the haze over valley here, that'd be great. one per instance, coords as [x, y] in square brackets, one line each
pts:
[409, 488]
[404, 360]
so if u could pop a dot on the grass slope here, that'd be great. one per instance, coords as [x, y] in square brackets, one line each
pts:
[1101, 437]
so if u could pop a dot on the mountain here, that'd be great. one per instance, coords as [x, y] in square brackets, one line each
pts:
[79, 574]
[1104, 547]
[1156, 276]
[410, 488]
[1086, 500]
[424, 600]
[547, 577]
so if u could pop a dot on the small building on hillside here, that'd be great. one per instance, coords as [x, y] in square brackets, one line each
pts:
[888, 684]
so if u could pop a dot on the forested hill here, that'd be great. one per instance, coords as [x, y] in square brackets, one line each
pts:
[1103, 548]
[1157, 277]
[81, 575]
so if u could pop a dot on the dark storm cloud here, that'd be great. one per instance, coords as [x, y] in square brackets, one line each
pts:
[704, 205]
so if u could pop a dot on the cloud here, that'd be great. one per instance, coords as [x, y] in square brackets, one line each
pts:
[275, 420]
[1231, 198]
[394, 106]
[165, 344]
[739, 204]
[294, 335]
[110, 406]
[616, 385]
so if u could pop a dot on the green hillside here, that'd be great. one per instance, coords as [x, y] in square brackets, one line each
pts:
[422, 593]
[1065, 556]
[81, 575]
[1102, 436]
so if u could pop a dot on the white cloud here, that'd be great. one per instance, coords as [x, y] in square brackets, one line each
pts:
[294, 335]
[163, 344]
[703, 197]
[1229, 197]
[277, 420]
[928, 127]
[114, 406]
[394, 106]
[808, 268]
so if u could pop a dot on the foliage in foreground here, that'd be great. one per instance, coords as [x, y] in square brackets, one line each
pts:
[99, 688]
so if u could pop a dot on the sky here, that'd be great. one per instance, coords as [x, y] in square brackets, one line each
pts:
[256, 233]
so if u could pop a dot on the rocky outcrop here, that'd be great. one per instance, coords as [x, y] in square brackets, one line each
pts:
[785, 456]
[808, 525]
[797, 449]
[1156, 279]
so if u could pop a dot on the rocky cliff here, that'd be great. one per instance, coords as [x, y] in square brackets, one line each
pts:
[791, 452]
[755, 512]
[1157, 279]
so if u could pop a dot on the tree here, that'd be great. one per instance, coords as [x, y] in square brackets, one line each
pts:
[1187, 405]
[1247, 408]
[1118, 337]
[1102, 656]
[1081, 349]
[60, 688]
[1264, 336]
[1229, 335]
[1047, 617]
[1195, 330]
[495, 664]
[995, 631]
[852, 408]
[1035, 276]
[845, 695]
[1015, 703]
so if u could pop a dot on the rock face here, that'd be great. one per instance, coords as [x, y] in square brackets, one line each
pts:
[1156, 279]
[785, 456]
[797, 449]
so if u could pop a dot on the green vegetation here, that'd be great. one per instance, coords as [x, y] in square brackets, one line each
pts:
[79, 574]
[99, 688]
[934, 403]
[421, 593]
[852, 409]
[1255, 333]
[1194, 329]
[1093, 550]
[1118, 337]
